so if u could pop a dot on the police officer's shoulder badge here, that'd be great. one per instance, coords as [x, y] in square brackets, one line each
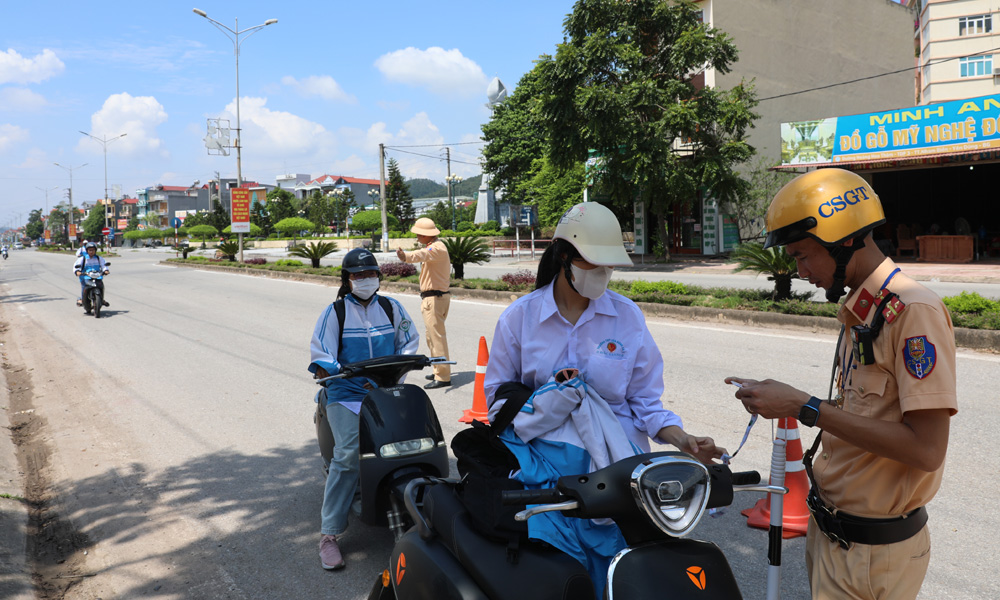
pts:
[919, 356]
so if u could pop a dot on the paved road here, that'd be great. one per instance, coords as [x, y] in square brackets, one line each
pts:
[182, 444]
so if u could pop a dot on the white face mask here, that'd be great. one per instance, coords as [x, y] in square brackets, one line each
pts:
[364, 288]
[591, 283]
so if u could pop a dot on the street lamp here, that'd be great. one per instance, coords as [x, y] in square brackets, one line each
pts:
[104, 140]
[71, 218]
[452, 179]
[235, 39]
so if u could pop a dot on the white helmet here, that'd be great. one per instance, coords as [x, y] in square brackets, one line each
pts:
[595, 233]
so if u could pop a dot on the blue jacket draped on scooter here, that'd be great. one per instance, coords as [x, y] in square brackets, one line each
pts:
[567, 428]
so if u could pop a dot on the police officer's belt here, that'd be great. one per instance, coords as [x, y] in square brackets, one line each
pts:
[432, 293]
[846, 529]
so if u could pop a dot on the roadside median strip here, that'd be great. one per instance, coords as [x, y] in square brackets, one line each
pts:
[975, 339]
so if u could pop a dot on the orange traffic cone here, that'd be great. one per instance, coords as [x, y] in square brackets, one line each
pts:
[479, 411]
[794, 512]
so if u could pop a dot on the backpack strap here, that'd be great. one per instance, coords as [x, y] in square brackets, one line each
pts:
[516, 395]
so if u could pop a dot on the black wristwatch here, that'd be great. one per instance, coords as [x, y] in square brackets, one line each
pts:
[809, 413]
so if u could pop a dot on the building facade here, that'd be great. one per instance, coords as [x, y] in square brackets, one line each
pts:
[955, 43]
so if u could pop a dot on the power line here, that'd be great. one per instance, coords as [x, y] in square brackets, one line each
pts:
[824, 87]
[436, 145]
[430, 156]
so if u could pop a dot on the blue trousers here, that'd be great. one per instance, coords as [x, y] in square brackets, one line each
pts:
[342, 480]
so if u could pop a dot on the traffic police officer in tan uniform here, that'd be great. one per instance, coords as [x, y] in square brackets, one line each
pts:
[435, 279]
[885, 433]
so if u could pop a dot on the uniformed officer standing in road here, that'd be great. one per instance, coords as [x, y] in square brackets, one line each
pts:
[885, 433]
[435, 279]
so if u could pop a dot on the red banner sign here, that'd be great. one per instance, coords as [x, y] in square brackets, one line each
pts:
[240, 221]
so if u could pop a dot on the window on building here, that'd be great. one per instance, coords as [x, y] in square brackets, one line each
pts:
[975, 25]
[976, 66]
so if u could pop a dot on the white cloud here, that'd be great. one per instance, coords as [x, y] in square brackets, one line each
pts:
[419, 130]
[35, 158]
[323, 86]
[135, 116]
[15, 68]
[274, 136]
[21, 100]
[11, 135]
[444, 72]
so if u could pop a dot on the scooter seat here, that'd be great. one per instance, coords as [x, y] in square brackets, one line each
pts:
[540, 573]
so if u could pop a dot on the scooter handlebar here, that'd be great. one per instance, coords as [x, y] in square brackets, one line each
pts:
[746, 478]
[526, 497]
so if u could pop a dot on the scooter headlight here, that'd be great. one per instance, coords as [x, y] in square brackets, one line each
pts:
[672, 491]
[406, 448]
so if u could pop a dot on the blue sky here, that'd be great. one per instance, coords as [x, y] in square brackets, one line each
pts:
[319, 90]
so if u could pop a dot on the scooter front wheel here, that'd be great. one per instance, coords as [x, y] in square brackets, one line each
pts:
[97, 304]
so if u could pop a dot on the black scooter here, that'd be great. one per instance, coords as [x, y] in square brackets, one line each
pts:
[93, 294]
[400, 437]
[654, 499]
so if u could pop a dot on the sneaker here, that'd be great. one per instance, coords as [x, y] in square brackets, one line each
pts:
[329, 553]
[79, 302]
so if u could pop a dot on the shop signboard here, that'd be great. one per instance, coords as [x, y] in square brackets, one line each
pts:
[967, 125]
[72, 231]
[730, 233]
[241, 210]
[639, 218]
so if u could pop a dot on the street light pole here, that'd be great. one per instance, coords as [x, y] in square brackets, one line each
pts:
[71, 217]
[235, 39]
[46, 190]
[104, 140]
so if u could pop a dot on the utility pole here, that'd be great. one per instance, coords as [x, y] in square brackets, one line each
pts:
[451, 198]
[381, 195]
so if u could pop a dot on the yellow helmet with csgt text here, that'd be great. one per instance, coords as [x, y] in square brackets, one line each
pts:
[828, 205]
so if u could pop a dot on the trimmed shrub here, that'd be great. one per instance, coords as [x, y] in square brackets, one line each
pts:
[256, 261]
[519, 280]
[398, 269]
[288, 262]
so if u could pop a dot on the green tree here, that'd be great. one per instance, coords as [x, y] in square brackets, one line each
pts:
[367, 221]
[342, 204]
[398, 201]
[462, 250]
[321, 211]
[34, 228]
[133, 223]
[623, 86]
[440, 213]
[198, 218]
[203, 231]
[751, 205]
[280, 206]
[94, 223]
[553, 190]
[260, 217]
[56, 223]
[293, 226]
[254, 230]
[779, 266]
[515, 139]
[314, 251]
[218, 218]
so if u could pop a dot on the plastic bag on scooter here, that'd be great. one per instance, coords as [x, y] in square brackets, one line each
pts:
[485, 465]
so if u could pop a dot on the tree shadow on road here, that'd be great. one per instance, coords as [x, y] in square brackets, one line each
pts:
[257, 523]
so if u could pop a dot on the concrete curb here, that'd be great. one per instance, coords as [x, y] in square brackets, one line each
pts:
[975, 339]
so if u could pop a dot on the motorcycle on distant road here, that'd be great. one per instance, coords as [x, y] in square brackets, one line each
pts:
[93, 295]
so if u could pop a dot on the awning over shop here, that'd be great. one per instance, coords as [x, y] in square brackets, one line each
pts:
[920, 135]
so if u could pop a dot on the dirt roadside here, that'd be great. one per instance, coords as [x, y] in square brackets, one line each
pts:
[54, 553]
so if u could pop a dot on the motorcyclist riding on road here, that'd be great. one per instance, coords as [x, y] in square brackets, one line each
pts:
[90, 262]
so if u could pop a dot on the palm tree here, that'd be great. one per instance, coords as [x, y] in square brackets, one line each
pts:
[463, 250]
[314, 251]
[779, 266]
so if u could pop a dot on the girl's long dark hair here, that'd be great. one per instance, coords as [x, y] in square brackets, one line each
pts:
[556, 258]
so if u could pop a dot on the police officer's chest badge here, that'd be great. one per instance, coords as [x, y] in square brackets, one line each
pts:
[919, 356]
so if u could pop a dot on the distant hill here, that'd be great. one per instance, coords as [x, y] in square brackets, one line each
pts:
[426, 188]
